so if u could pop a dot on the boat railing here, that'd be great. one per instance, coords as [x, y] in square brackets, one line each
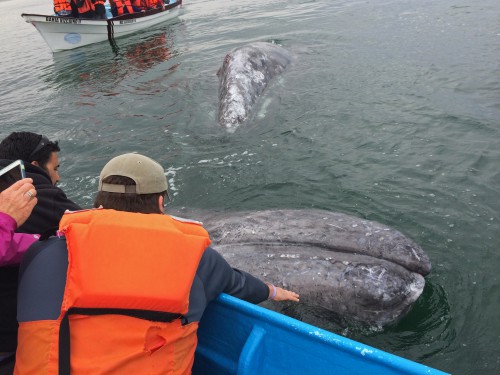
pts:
[236, 337]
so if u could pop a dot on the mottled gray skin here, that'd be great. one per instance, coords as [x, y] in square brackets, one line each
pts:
[362, 270]
[243, 77]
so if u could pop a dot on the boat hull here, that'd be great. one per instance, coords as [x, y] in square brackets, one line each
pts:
[65, 33]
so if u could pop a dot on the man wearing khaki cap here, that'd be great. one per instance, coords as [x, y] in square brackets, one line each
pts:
[128, 282]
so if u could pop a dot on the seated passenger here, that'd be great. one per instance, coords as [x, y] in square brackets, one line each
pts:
[85, 8]
[74, 8]
[16, 204]
[126, 284]
[90, 9]
[62, 8]
[41, 160]
[153, 4]
[99, 9]
[143, 5]
[121, 7]
[40, 157]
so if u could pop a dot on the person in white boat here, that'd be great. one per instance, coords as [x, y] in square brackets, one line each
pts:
[62, 8]
[152, 4]
[121, 7]
[92, 9]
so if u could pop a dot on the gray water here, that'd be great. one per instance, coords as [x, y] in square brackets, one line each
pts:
[390, 111]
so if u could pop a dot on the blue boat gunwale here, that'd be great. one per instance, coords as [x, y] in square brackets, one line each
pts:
[261, 325]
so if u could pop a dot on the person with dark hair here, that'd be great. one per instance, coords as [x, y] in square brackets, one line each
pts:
[41, 161]
[125, 283]
[62, 8]
[121, 7]
[40, 157]
[85, 8]
[16, 204]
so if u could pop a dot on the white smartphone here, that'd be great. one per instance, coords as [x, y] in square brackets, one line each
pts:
[11, 173]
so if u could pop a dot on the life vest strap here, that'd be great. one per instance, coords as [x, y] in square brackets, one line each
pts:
[64, 332]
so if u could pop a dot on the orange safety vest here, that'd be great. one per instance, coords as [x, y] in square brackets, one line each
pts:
[61, 5]
[87, 6]
[128, 281]
[120, 6]
[151, 4]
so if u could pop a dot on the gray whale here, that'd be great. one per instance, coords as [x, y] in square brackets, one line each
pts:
[243, 77]
[361, 270]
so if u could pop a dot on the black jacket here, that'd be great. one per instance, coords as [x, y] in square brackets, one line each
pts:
[52, 202]
[8, 305]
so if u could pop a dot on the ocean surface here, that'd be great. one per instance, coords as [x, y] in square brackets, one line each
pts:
[390, 111]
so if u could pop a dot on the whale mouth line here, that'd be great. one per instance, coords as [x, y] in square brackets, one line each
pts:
[333, 249]
[280, 242]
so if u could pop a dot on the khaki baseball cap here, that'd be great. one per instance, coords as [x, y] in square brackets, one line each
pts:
[148, 175]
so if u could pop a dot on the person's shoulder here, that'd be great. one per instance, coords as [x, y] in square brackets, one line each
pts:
[57, 243]
[212, 259]
[52, 248]
[64, 202]
[49, 190]
[50, 193]
[40, 178]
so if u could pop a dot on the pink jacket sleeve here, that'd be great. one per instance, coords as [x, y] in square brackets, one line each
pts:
[13, 245]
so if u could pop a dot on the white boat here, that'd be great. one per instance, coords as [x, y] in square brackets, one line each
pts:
[63, 33]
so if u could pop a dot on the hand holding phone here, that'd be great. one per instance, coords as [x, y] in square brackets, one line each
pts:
[11, 173]
[18, 200]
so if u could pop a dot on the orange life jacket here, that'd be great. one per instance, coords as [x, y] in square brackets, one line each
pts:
[60, 5]
[151, 4]
[128, 282]
[122, 5]
[137, 3]
[87, 6]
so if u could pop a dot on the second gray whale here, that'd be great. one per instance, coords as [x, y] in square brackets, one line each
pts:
[243, 77]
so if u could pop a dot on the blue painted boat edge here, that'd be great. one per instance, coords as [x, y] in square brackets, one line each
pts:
[237, 337]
